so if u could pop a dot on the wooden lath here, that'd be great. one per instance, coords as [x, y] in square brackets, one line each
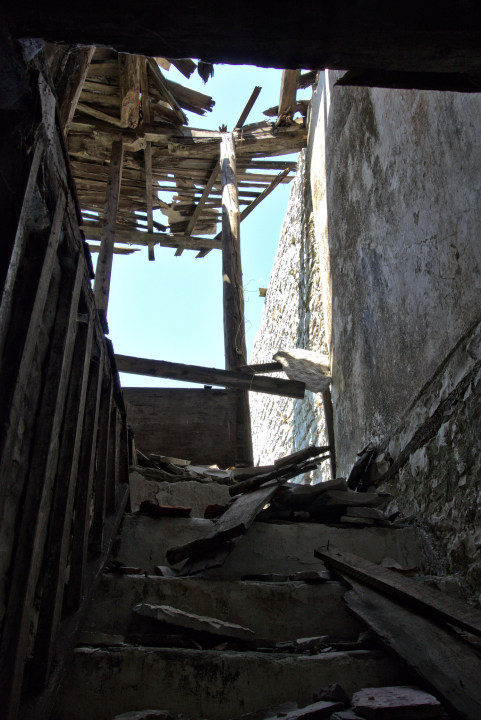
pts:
[128, 99]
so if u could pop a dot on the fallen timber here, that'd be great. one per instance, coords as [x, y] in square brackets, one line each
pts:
[234, 379]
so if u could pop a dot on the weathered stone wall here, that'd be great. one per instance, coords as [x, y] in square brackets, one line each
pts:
[292, 317]
[432, 462]
[396, 181]
[385, 255]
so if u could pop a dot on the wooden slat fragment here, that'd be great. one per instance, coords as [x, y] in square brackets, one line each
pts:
[264, 194]
[99, 114]
[233, 523]
[137, 237]
[287, 99]
[249, 105]
[235, 379]
[414, 594]
[163, 86]
[70, 85]
[445, 662]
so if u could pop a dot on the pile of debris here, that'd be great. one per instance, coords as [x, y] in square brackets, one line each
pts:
[333, 703]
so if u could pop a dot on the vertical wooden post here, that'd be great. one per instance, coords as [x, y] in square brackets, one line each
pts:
[100, 477]
[144, 86]
[104, 262]
[234, 329]
[129, 82]
[287, 99]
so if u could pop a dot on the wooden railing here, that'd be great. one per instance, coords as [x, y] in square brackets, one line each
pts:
[63, 432]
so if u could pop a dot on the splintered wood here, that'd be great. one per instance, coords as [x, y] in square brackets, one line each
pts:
[121, 97]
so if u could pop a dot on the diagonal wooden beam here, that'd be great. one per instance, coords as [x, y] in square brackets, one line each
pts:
[200, 205]
[162, 85]
[247, 211]
[248, 107]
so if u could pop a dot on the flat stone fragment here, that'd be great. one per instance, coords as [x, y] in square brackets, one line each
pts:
[391, 703]
[201, 623]
[346, 715]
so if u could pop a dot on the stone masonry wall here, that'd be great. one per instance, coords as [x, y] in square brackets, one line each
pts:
[292, 317]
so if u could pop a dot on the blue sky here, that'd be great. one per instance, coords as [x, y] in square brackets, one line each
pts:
[171, 309]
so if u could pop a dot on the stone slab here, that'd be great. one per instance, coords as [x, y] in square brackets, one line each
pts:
[267, 547]
[275, 611]
[195, 494]
[208, 684]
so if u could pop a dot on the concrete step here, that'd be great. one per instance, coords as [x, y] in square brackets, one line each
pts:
[266, 548]
[191, 493]
[274, 611]
[209, 684]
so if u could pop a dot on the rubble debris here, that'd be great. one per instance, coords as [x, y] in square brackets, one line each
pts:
[118, 568]
[391, 703]
[316, 711]
[154, 510]
[171, 616]
[334, 692]
[170, 460]
[164, 571]
[214, 511]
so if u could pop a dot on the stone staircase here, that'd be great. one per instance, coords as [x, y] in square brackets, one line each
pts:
[110, 675]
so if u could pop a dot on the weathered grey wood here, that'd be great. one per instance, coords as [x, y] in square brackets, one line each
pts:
[425, 599]
[27, 562]
[62, 507]
[205, 194]
[209, 376]
[41, 706]
[101, 469]
[236, 520]
[112, 477]
[163, 86]
[233, 294]
[70, 84]
[329, 418]
[249, 105]
[264, 194]
[79, 546]
[303, 454]
[136, 237]
[445, 662]
[287, 472]
[19, 245]
[104, 263]
[98, 114]
[287, 98]
[129, 83]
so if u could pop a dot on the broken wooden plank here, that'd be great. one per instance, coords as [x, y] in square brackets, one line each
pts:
[166, 93]
[264, 194]
[249, 105]
[138, 237]
[287, 99]
[200, 206]
[287, 472]
[423, 598]
[209, 376]
[439, 656]
[99, 114]
[232, 524]
[104, 263]
[129, 83]
[303, 454]
[71, 83]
